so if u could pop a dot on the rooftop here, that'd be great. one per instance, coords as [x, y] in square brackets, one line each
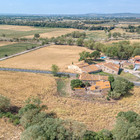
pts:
[91, 77]
[100, 85]
[90, 68]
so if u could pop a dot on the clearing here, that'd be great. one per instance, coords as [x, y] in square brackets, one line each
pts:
[43, 58]
[95, 115]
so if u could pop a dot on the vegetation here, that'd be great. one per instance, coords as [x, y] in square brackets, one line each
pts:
[55, 69]
[15, 48]
[4, 103]
[119, 87]
[76, 83]
[127, 126]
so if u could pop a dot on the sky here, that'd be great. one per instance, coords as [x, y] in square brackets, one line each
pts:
[68, 6]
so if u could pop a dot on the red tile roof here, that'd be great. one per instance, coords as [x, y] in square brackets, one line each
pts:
[91, 77]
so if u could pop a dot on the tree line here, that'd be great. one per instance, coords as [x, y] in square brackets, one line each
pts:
[53, 24]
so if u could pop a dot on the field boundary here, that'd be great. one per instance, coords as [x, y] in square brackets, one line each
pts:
[24, 52]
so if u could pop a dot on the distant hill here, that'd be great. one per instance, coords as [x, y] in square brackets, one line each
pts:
[136, 15]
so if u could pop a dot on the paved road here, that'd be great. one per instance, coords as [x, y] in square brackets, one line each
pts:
[34, 71]
[47, 72]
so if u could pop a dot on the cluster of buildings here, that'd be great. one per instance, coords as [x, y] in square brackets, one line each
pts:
[136, 61]
[98, 83]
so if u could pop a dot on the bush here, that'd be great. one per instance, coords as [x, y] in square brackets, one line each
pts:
[50, 129]
[127, 126]
[31, 104]
[55, 69]
[120, 87]
[104, 135]
[4, 103]
[76, 83]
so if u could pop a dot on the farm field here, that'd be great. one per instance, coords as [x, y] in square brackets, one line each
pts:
[55, 33]
[3, 43]
[96, 35]
[43, 58]
[95, 115]
[12, 31]
[12, 48]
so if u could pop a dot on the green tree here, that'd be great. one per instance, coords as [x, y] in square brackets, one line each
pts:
[55, 69]
[95, 54]
[80, 42]
[120, 87]
[76, 83]
[84, 55]
[36, 36]
[136, 52]
[127, 126]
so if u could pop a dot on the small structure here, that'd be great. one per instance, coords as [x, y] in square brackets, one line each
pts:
[83, 67]
[92, 79]
[109, 67]
[100, 86]
[136, 60]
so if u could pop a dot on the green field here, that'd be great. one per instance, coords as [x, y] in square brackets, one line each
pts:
[96, 35]
[15, 48]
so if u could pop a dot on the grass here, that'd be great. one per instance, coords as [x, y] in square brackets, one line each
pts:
[96, 35]
[61, 87]
[103, 73]
[14, 48]
[129, 76]
[42, 59]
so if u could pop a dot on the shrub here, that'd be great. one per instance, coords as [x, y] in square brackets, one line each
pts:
[89, 135]
[50, 129]
[76, 83]
[55, 69]
[104, 135]
[4, 103]
[127, 126]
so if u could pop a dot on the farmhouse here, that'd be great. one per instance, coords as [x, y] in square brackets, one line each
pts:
[99, 85]
[109, 67]
[83, 67]
[137, 62]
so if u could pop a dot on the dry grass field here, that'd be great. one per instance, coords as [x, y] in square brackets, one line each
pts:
[44, 58]
[8, 131]
[19, 86]
[17, 28]
[55, 33]
[3, 43]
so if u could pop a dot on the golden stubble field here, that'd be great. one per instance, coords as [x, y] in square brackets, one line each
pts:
[17, 28]
[19, 86]
[56, 33]
[43, 58]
